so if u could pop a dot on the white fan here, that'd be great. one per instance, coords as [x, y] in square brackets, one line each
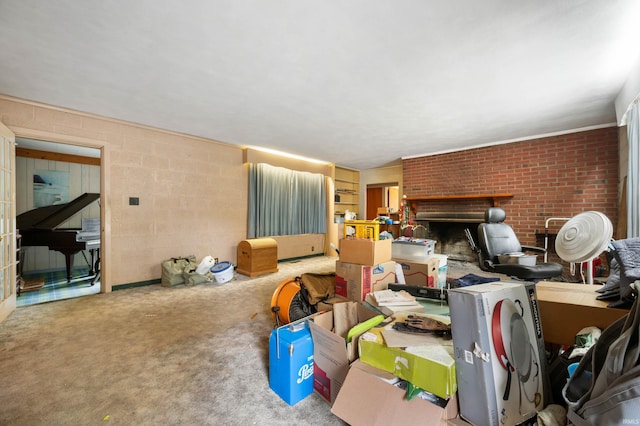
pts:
[583, 238]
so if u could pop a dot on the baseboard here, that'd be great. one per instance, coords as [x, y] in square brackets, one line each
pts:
[133, 285]
[293, 259]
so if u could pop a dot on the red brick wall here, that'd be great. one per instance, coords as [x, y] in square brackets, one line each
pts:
[557, 176]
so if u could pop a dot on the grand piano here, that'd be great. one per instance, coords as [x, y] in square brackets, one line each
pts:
[41, 227]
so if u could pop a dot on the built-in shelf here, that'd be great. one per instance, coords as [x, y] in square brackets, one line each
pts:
[347, 187]
[347, 181]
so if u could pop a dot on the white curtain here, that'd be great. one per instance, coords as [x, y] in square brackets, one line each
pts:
[633, 180]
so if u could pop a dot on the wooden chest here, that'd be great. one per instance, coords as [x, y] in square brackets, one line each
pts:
[257, 256]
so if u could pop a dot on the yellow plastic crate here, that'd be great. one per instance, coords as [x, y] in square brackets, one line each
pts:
[362, 229]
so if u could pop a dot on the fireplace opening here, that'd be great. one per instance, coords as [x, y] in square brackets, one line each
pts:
[448, 229]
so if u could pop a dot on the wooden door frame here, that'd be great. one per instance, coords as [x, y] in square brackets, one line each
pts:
[105, 211]
[8, 305]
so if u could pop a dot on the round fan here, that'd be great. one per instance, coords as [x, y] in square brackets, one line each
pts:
[287, 304]
[583, 238]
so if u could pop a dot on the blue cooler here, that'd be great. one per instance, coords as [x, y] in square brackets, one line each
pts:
[291, 361]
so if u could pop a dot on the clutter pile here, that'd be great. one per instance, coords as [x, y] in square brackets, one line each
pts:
[362, 331]
[186, 270]
[395, 342]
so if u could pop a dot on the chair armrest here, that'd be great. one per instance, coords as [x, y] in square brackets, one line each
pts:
[535, 249]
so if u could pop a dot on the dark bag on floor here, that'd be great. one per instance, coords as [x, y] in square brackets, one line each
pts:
[318, 287]
[173, 270]
[605, 388]
[559, 374]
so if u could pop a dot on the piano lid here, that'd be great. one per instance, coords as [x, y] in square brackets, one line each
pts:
[50, 217]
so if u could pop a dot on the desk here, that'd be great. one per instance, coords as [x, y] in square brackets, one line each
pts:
[567, 308]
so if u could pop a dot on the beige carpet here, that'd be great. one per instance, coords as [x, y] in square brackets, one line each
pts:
[152, 356]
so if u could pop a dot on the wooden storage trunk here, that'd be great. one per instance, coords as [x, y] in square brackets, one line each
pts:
[257, 256]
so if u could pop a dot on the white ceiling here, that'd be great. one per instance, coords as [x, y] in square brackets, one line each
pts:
[360, 83]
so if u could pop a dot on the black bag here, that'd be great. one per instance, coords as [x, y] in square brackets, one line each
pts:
[559, 374]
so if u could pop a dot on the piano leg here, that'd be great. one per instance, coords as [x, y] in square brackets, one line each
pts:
[92, 271]
[69, 263]
[68, 257]
[95, 261]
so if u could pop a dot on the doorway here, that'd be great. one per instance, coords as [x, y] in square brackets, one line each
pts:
[382, 195]
[60, 260]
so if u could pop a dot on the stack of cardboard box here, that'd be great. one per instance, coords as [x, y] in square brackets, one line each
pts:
[364, 266]
[350, 385]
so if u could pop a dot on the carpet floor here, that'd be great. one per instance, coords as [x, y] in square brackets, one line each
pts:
[153, 356]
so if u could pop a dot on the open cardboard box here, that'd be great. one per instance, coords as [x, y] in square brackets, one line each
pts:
[567, 308]
[426, 361]
[332, 353]
[364, 251]
[369, 397]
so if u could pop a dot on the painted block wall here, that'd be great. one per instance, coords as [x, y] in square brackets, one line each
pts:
[192, 191]
[556, 176]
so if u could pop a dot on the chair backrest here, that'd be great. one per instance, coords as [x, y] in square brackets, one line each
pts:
[495, 237]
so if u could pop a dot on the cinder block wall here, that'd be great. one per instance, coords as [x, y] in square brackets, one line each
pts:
[557, 176]
[192, 191]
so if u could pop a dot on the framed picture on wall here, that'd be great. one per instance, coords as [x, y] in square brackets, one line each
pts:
[50, 187]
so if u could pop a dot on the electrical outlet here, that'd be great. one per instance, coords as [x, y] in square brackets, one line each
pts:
[134, 201]
[313, 248]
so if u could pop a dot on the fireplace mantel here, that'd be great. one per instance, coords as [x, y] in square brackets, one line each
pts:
[493, 198]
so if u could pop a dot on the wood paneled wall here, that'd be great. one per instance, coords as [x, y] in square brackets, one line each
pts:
[82, 178]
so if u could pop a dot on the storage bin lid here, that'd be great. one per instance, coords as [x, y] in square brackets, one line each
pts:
[220, 266]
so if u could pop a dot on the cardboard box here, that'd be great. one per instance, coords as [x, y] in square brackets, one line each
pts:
[355, 281]
[499, 352]
[332, 353]
[364, 252]
[567, 308]
[428, 366]
[369, 397]
[424, 273]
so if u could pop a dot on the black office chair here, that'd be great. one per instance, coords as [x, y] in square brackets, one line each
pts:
[497, 239]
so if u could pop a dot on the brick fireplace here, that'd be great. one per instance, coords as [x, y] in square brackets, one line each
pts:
[555, 176]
